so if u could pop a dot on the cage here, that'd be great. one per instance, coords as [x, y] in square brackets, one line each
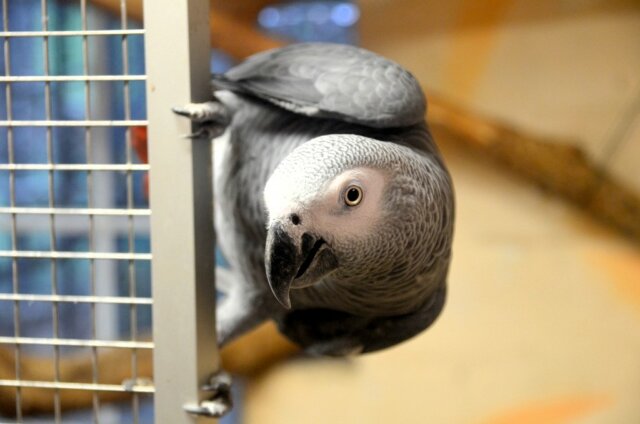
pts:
[75, 225]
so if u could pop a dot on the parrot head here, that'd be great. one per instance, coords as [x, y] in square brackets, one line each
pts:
[357, 219]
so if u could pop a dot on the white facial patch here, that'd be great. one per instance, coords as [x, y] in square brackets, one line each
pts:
[284, 195]
[331, 213]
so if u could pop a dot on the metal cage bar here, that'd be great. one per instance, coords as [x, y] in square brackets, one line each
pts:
[88, 141]
[77, 299]
[72, 167]
[75, 342]
[75, 123]
[133, 311]
[12, 202]
[57, 407]
[103, 258]
[75, 211]
[50, 254]
[73, 78]
[40, 34]
[138, 388]
[182, 242]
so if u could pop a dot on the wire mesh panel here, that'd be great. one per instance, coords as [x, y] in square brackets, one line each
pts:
[74, 221]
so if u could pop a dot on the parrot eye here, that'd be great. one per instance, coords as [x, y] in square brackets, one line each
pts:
[353, 195]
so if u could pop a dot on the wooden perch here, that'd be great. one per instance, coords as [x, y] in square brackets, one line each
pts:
[248, 356]
[557, 166]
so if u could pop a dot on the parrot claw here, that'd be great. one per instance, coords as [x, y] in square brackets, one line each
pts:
[209, 408]
[199, 133]
[212, 116]
[208, 112]
[206, 133]
[220, 402]
[219, 382]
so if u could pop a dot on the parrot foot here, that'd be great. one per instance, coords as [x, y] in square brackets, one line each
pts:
[220, 402]
[202, 113]
[206, 133]
[212, 116]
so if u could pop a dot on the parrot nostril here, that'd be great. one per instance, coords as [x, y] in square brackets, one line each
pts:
[295, 219]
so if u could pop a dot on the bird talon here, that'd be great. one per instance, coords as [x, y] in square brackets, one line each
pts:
[214, 408]
[180, 111]
[213, 118]
[220, 402]
[208, 112]
[205, 132]
[218, 382]
[197, 134]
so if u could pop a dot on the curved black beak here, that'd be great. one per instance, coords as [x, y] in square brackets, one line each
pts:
[280, 260]
[288, 259]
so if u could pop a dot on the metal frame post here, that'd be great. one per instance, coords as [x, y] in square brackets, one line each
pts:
[177, 61]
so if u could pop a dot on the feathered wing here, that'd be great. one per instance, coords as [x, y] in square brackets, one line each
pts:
[333, 81]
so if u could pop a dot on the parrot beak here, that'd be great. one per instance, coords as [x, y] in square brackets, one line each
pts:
[292, 263]
[280, 255]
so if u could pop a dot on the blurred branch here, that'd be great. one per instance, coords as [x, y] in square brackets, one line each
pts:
[238, 37]
[233, 28]
[134, 7]
[556, 165]
[248, 356]
[244, 10]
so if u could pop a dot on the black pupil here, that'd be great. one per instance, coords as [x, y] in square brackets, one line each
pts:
[353, 195]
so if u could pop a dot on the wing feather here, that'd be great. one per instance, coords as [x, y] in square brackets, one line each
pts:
[331, 80]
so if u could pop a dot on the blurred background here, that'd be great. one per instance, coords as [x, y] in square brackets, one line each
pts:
[536, 108]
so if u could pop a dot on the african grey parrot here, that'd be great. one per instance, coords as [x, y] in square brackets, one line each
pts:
[333, 206]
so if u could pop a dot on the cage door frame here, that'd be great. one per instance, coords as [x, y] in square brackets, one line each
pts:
[177, 54]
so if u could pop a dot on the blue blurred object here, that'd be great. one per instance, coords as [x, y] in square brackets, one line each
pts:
[328, 21]
[345, 14]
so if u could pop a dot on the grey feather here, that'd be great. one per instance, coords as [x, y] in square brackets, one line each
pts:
[366, 110]
[331, 80]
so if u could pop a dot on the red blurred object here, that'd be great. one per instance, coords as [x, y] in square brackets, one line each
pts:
[140, 145]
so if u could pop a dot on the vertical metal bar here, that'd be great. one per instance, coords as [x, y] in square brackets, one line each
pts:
[90, 203]
[133, 312]
[12, 200]
[104, 187]
[105, 233]
[177, 61]
[52, 226]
